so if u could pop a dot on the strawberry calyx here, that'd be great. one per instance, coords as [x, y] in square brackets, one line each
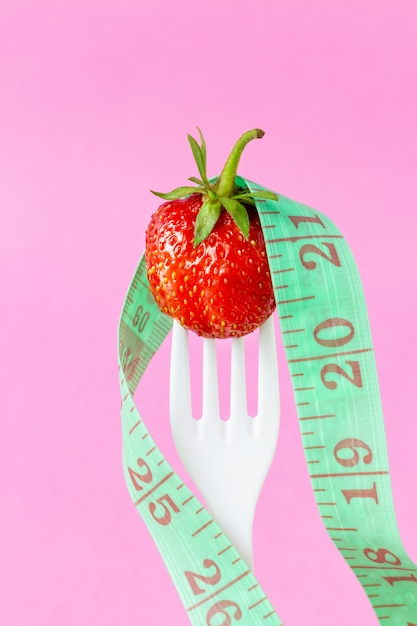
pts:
[222, 193]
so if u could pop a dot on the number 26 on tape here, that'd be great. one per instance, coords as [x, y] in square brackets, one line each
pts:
[220, 607]
[164, 506]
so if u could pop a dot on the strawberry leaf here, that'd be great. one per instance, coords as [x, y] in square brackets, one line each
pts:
[238, 213]
[206, 220]
[203, 150]
[177, 193]
[199, 182]
[246, 200]
[199, 157]
[265, 195]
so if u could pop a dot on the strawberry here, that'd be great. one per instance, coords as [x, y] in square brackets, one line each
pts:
[205, 252]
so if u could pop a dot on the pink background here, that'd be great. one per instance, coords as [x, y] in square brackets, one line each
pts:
[96, 99]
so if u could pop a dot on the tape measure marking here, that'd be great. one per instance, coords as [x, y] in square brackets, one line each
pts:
[336, 357]
[329, 350]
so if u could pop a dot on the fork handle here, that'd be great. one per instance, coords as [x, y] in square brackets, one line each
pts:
[237, 525]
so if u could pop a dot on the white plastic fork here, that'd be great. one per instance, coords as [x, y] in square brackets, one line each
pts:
[228, 460]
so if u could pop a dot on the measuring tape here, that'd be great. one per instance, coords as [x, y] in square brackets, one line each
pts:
[325, 329]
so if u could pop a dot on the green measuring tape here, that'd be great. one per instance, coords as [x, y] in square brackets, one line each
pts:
[328, 346]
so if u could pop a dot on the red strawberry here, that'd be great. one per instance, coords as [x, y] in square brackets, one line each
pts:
[205, 252]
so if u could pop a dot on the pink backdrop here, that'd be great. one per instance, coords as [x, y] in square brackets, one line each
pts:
[96, 98]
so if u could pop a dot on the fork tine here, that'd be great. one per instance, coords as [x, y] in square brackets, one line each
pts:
[268, 384]
[238, 402]
[180, 386]
[211, 409]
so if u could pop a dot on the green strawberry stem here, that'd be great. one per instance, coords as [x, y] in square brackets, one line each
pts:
[222, 195]
[225, 186]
